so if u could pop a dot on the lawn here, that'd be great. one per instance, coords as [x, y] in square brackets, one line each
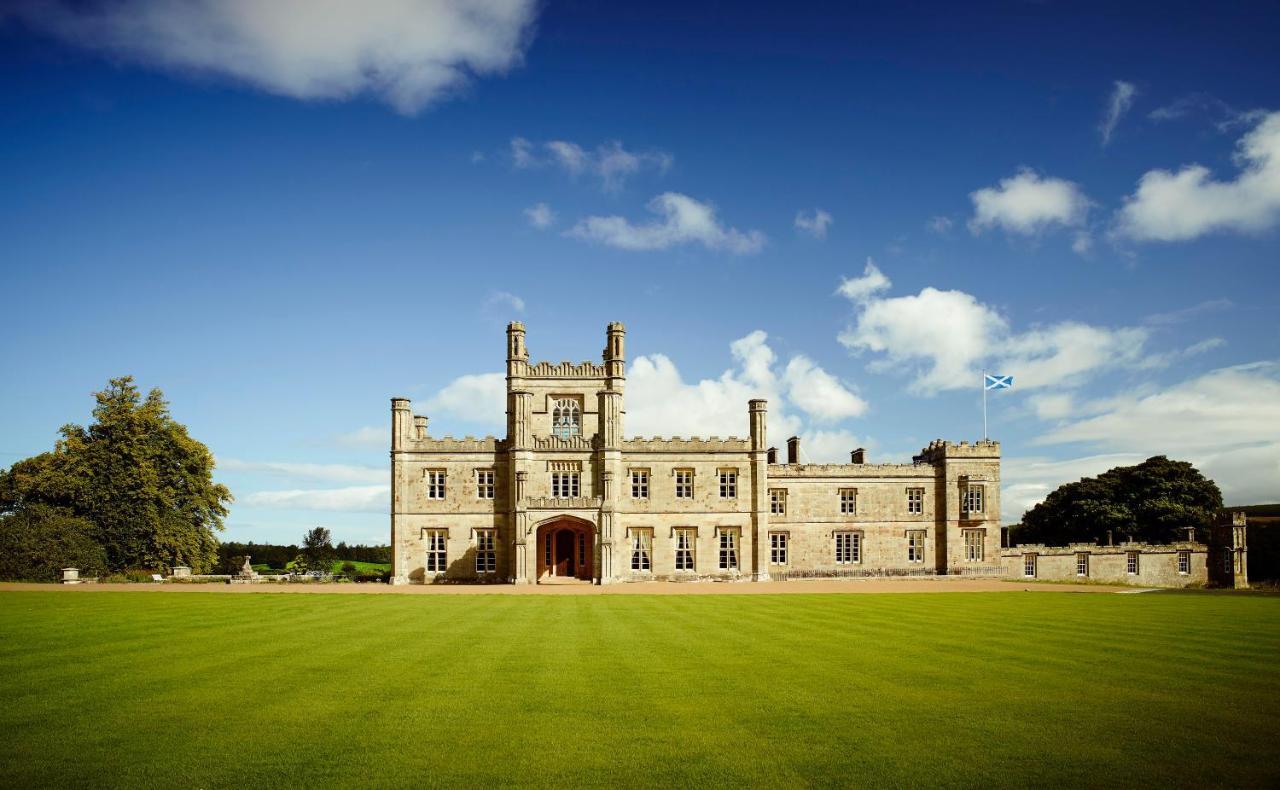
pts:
[206, 689]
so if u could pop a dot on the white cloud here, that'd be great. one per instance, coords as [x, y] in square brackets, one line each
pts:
[1226, 422]
[479, 398]
[368, 436]
[1055, 406]
[818, 393]
[682, 220]
[1028, 204]
[814, 223]
[1189, 203]
[610, 162]
[939, 224]
[503, 302]
[1119, 103]
[352, 499]
[407, 53]
[540, 215]
[1188, 313]
[941, 337]
[335, 473]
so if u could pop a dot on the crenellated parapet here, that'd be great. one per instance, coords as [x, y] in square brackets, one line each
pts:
[557, 370]
[694, 444]
[851, 471]
[466, 444]
[939, 449]
[566, 442]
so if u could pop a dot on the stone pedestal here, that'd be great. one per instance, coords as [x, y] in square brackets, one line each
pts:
[70, 575]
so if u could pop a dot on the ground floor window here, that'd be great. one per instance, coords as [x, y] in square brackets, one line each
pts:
[1131, 564]
[437, 556]
[486, 555]
[1029, 565]
[848, 548]
[642, 550]
[777, 548]
[973, 544]
[1082, 564]
[915, 545]
[728, 549]
[1184, 562]
[685, 547]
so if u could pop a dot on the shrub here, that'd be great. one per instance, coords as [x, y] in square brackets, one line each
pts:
[37, 542]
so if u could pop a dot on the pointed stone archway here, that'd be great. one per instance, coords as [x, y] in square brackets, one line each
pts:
[566, 549]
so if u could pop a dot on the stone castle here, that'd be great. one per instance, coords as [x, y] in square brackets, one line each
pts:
[566, 496]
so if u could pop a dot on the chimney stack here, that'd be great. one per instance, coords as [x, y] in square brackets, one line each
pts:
[858, 456]
[773, 455]
[793, 450]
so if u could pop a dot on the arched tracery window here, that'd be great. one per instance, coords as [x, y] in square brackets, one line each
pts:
[566, 419]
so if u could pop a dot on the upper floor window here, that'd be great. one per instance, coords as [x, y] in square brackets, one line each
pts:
[639, 483]
[484, 483]
[684, 484]
[973, 499]
[915, 500]
[435, 484]
[849, 500]
[778, 501]
[728, 483]
[566, 418]
[565, 485]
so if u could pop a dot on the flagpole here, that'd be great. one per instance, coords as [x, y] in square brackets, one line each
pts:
[984, 404]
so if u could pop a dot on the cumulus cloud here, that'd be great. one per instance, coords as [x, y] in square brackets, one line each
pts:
[1187, 204]
[1117, 105]
[609, 162]
[1226, 422]
[819, 394]
[479, 397]
[814, 223]
[334, 473]
[681, 220]
[540, 215]
[942, 337]
[503, 303]
[406, 53]
[352, 499]
[1027, 204]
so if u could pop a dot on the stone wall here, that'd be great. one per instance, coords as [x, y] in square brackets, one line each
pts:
[1157, 565]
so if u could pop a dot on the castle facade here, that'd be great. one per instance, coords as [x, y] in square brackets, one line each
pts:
[566, 497]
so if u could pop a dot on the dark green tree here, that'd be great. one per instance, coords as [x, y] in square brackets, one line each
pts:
[317, 548]
[1154, 501]
[136, 475]
[37, 542]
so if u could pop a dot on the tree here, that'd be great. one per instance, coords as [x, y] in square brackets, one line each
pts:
[37, 542]
[317, 548]
[136, 475]
[1155, 501]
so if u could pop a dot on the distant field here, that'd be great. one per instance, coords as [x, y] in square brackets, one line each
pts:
[145, 689]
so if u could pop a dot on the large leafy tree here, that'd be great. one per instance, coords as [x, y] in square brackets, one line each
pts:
[1154, 501]
[136, 475]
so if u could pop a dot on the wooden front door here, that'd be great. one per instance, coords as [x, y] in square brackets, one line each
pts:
[564, 553]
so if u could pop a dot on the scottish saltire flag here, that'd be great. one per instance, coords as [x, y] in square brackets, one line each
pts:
[997, 382]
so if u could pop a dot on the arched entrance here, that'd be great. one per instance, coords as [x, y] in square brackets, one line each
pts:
[566, 549]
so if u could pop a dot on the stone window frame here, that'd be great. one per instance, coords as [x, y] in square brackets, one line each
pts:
[639, 482]
[974, 494]
[436, 483]
[849, 501]
[728, 540]
[848, 546]
[1184, 562]
[1082, 564]
[436, 540]
[1029, 565]
[486, 540]
[975, 551]
[916, 542]
[641, 542]
[1133, 563]
[566, 417]
[779, 545]
[778, 501]
[566, 484]
[728, 479]
[915, 500]
[485, 487]
[686, 554]
[684, 477]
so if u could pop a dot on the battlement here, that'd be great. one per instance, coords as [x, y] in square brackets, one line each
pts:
[466, 444]
[559, 370]
[851, 471]
[694, 444]
[939, 449]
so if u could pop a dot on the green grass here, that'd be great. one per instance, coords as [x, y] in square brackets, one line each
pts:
[1013, 689]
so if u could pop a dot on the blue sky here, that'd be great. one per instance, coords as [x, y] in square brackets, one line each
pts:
[849, 210]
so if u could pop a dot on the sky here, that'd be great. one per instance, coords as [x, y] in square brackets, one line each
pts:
[285, 214]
